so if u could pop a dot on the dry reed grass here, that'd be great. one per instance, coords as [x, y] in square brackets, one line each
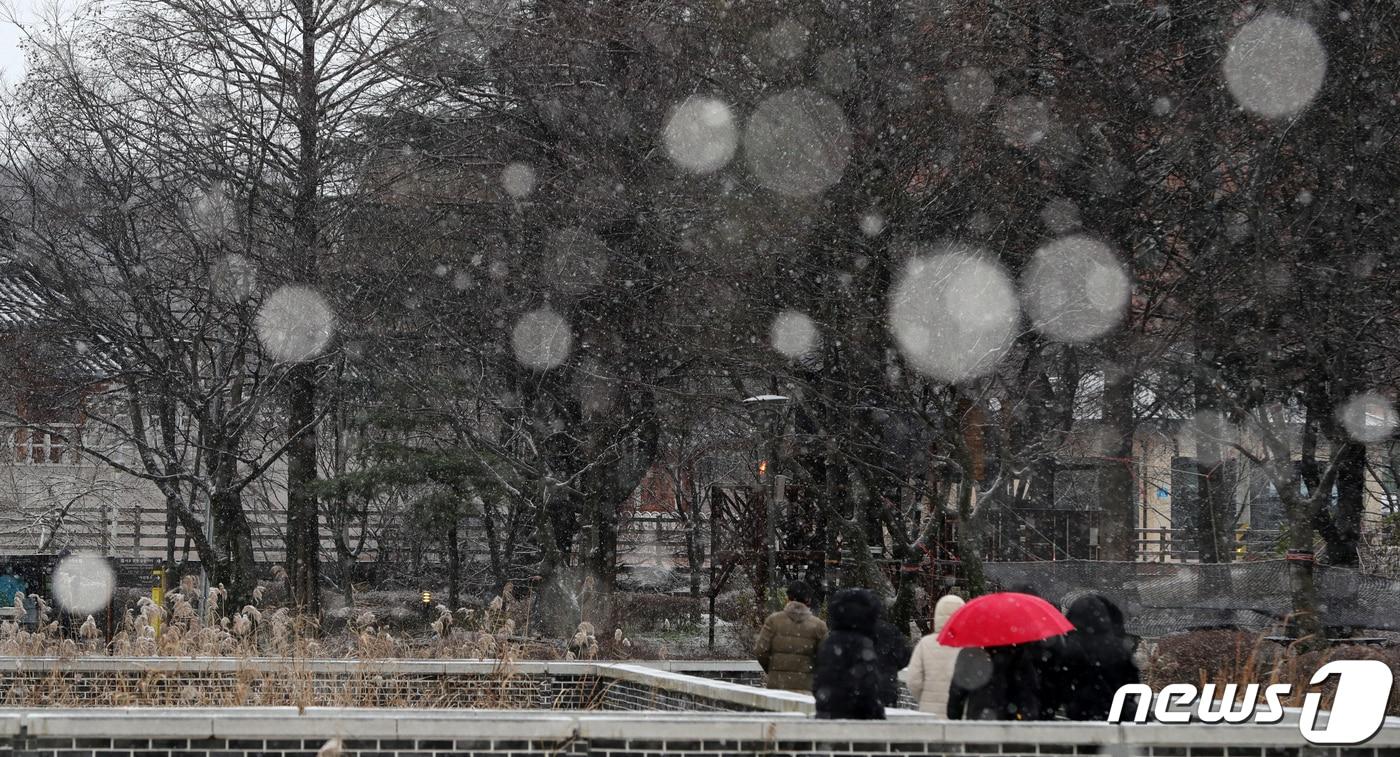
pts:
[276, 647]
[1238, 657]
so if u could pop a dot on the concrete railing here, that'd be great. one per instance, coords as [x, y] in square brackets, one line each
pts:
[581, 709]
[236, 732]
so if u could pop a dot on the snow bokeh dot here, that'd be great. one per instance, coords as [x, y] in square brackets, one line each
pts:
[797, 143]
[213, 215]
[83, 583]
[1213, 432]
[1075, 289]
[1024, 121]
[837, 70]
[233, 278]
[518, 180]
[974, 669]
[1275, 66]
[295, 324]
[1060, 216]
[700, 136]
[1368, 417]
[969, 90]
[793, 334]
[789, 39]
[541, 339]
[954, 313]
[872, 223]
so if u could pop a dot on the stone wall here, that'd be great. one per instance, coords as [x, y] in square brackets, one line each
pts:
[420, 684]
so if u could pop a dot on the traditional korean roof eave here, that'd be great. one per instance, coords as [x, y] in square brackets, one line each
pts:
[21, 304]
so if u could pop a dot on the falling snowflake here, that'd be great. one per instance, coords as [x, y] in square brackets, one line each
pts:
[1275, 66]
[969, 90]
[1368, 417]
[541, 339]
[83, 583]
[793, 334]
[518, 180]
[954, 313]
[1075, 289]
[872, 223]
[295, 324]
[1024, 120]
[797, 143]
[700, 136]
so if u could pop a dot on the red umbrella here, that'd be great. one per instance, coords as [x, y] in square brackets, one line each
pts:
[996, 620]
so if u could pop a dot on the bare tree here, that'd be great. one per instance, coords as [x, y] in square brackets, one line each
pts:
[207, 143]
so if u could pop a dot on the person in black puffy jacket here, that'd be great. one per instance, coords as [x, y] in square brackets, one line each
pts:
[846, 680]
[1045, 657]
[996, 683]
[1094, 659]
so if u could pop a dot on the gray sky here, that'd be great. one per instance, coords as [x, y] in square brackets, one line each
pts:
[11, 59]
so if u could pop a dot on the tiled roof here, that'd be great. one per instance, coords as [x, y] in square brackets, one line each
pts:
[21, 303]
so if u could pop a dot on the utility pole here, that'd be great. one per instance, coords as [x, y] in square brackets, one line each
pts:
[771, 537]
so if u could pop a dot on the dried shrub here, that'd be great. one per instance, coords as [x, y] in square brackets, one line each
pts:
[647, 613]
[1238, 657]
[1305, 664]
[1198, 656]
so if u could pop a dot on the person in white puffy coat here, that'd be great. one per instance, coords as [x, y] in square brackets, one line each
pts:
[930, 671]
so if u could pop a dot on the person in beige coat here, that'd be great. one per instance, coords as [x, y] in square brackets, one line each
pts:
[930, 670]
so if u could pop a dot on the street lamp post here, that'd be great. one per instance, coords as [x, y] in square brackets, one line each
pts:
[771, 410]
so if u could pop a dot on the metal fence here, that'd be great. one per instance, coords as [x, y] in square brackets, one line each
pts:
[1160, 598]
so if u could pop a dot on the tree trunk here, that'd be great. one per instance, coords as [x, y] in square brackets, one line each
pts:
[303, 528]
[171, 530]
[1304, 623]
[1302, 513]
[1117, 530]
[970, 543]
[602, 499]
[233, 567]
[454, 567]
[695, 559]
[499, 573]
[1211, 537]
[1351, 503]
[347, 579]
[856, 531]
[556, 608]
[902, 610]
[694, 547]
[345, 556]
